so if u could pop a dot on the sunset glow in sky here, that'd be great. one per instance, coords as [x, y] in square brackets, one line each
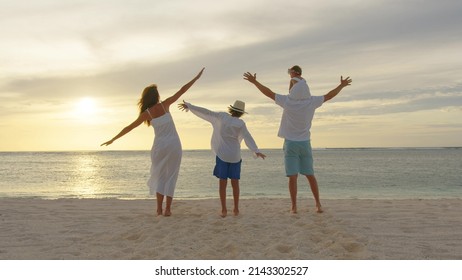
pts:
[72, 71]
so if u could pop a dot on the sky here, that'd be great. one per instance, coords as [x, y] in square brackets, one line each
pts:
[72, 72]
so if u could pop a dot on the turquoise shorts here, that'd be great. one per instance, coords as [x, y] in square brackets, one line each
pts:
[298, 157]
[225, 170]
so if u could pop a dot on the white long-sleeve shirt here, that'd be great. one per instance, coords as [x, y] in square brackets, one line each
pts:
[228, 133]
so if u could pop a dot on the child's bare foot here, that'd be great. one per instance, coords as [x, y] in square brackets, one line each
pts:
[319, 209]
[236, 212]
[224, 213]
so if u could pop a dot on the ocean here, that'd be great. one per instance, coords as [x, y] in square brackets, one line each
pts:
[390, 173]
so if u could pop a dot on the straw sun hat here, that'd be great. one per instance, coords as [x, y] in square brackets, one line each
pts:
[239, 106]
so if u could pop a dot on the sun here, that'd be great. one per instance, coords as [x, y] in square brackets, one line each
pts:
[85, 107]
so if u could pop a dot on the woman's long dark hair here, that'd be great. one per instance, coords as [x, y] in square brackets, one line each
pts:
[149, 98]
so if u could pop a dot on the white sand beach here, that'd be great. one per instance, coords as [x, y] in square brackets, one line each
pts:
[129, 229]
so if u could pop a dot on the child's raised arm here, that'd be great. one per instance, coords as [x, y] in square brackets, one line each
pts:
[202, 113]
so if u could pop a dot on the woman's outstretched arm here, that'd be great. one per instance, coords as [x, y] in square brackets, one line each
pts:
[141, 118]
[169, 101]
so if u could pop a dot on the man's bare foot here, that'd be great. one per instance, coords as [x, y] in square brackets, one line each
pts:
[224, 213]
[236, 212]
[319, 209]
[167, 213]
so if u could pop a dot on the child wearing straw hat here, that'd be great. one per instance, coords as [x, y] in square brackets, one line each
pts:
[228, 132]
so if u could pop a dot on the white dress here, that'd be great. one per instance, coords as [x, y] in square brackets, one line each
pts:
[165, 156]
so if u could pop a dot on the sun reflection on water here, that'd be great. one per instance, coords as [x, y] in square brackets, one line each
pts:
[86, 180]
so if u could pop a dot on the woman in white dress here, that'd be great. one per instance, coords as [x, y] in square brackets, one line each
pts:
[166, 149]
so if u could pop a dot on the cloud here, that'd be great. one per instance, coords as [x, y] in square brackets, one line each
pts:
[404, 56]
[392, 102]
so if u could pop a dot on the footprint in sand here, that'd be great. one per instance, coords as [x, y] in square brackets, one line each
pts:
[352, 247]
[218, 223]
[133, 237]
[231, 249]
[284, 248]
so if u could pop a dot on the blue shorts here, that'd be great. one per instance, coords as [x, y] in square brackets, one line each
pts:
[225, 170]
[298, 157]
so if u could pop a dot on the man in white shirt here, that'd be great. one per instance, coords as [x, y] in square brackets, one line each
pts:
[298, 111]
[228, 132]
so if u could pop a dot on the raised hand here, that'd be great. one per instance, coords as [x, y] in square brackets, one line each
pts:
[183, 106]
[345, 82]
[249, 77]
[200, 74]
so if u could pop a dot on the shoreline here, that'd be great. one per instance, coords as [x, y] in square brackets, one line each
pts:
[356, 229]
[245, 149]
[229, 197]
